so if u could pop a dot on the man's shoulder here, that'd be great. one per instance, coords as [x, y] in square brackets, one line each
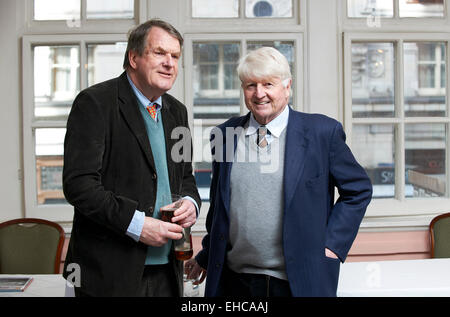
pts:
[171, 101]
[106, 88]
[234, 122]
[317, 120]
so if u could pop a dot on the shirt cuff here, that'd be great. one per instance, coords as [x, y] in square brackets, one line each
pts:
[137, 223]
[193, 201]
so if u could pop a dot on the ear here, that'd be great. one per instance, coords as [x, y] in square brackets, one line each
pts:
[132, 55]
[287, 83]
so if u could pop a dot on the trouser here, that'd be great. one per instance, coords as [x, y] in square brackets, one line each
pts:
[157, 281]
[254, 285]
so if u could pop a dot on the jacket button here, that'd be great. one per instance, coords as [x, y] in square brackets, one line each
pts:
[154, 176]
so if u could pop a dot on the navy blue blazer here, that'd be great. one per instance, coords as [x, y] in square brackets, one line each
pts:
[317, 161]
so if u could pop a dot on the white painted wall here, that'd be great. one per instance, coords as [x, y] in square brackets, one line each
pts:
[11, 188]
[323, 58]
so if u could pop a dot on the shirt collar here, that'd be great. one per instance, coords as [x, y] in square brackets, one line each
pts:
[276, 126]
[142, 99]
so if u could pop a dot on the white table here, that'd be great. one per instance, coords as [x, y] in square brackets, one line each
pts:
[404, 278]
[49, 285]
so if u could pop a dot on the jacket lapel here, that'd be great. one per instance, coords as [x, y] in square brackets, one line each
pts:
[169, 124]
[295, 153]
[129, 108]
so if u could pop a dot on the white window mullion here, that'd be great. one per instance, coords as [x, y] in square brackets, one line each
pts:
[400, 128]
[396, 10]
[83, 65]
[241, 9]
[348, 120]
[447, 91]
[241, 95]
[83, 13]
[447, 159]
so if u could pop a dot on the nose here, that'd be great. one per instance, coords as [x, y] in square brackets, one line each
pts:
[260, 91]
[169, 61]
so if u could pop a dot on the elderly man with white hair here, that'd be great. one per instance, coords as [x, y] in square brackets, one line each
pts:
[278, 231]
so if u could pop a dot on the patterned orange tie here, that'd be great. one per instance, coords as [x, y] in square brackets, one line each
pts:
[152, 110]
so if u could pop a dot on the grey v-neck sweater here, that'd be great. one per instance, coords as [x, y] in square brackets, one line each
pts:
[256, 208]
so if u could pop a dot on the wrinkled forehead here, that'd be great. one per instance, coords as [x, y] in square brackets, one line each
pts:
[269, 78]
[157, 38]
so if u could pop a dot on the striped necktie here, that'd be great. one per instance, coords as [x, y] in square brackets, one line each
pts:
[262, 132]
[152, 110]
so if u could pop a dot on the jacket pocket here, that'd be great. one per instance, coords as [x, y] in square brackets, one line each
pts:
[316, 180]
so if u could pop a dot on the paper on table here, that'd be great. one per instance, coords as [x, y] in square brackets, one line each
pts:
[14, 284]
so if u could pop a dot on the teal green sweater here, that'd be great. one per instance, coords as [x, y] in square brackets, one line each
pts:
[155, 131]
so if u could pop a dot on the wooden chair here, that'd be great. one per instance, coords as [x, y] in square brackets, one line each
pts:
[440, 236]
[30, 246]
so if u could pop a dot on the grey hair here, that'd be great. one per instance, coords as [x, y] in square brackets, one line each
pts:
[137, 39]
[262, 63]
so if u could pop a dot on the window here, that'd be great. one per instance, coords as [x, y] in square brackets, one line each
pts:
[395, 8]
[215, 8]
[232, 8]
[413, 131]
[85, 16]
[396, 107]
[51, 10]
[212, 86]
[56, 67]
[215, 89]
[56, 79]
[222, 16]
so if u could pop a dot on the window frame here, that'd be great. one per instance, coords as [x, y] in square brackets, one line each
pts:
[56, 212]
[299, 73]
[398, 211]
[438, 74]
[401, 23]
[83, 25]
[221, 25]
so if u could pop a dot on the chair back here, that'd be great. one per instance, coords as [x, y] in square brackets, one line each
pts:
[30, 246]
[440, 236]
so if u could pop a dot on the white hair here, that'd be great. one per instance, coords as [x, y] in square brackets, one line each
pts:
[263, 63]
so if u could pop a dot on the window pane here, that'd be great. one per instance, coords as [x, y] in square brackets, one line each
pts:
[268, 8]
[425, 158]
[373, 147]
[421, 8]
[107, 9]
[202, 155]
[215, 8]
[287, 48]
[49, 165]
[105, 61]
[215, 82]
[216, 98]
[373, 76]
[57, 9]
[56, 79]
[366, 8]
[425, 81]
